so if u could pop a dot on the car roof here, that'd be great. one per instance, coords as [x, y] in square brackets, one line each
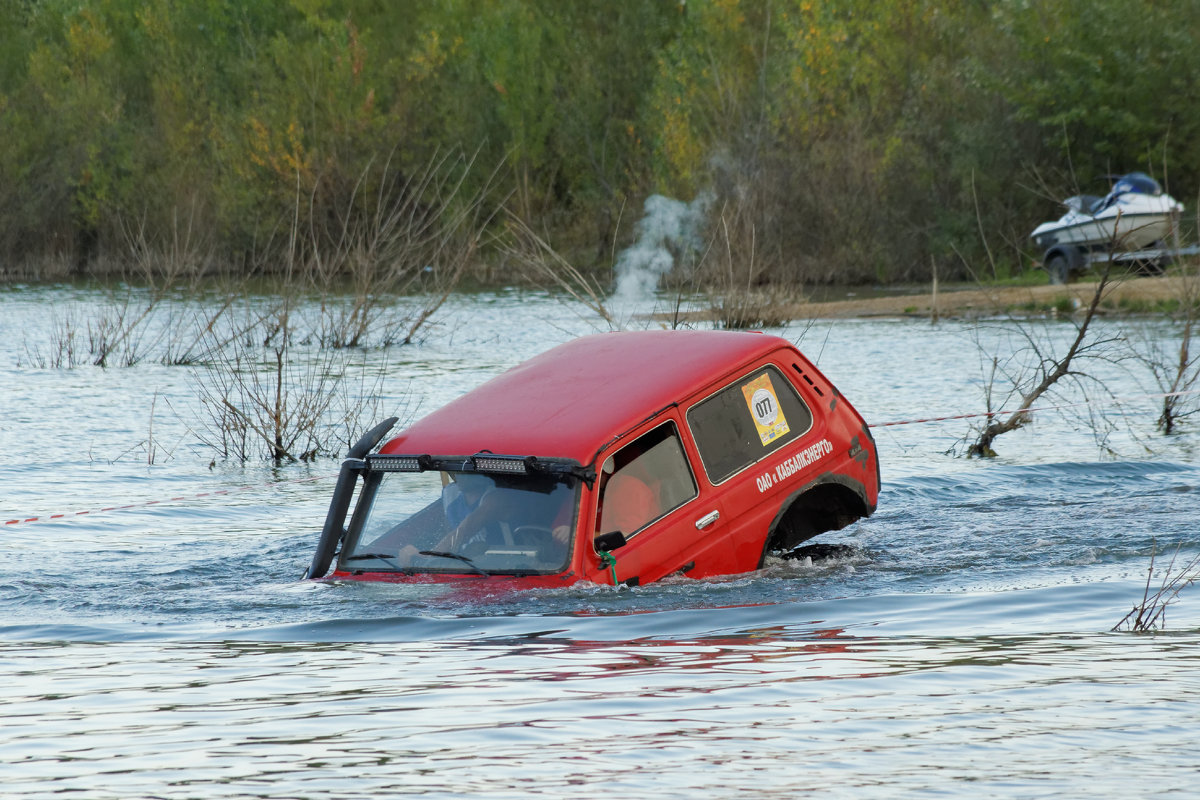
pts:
[572, 399]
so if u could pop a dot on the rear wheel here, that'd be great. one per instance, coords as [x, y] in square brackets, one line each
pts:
[823, 507]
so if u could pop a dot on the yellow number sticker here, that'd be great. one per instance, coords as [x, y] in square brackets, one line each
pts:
[764, 407]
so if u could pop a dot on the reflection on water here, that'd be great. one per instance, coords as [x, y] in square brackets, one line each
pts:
[716, 716]
[963, 645]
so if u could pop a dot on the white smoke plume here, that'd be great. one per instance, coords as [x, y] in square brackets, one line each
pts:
[669, 229]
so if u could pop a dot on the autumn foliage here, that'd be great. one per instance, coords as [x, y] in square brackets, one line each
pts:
[856, 140]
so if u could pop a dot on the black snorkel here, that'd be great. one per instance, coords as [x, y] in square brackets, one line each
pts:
[339, 504]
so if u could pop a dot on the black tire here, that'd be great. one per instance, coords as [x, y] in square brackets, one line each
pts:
[1058, 268]
[1151, 267]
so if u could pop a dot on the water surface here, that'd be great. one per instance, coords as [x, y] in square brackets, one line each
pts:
[169, 649]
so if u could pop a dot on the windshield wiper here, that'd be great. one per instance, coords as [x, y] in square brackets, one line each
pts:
[456, 556]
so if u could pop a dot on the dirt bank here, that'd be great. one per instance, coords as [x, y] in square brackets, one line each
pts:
[1130, 294]
[1126, 295]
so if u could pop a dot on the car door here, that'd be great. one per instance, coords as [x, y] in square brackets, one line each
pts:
[648, 491]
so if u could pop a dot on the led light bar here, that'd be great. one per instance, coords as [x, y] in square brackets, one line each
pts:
[559, 468]
[500, 464]
[380, 463]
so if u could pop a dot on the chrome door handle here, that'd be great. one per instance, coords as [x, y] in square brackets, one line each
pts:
[707, 519]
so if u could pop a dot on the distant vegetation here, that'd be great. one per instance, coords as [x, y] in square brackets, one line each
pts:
[853, 140]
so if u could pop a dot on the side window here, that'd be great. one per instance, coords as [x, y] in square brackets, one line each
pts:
[747, 421]
[643, 481]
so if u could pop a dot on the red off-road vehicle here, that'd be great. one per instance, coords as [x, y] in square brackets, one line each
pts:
[614, 458]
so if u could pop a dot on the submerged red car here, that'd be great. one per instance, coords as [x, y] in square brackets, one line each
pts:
[613, 458]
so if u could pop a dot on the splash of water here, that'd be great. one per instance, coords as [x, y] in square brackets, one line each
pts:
[669, 231]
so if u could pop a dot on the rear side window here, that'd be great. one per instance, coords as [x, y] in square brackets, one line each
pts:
[747, 421]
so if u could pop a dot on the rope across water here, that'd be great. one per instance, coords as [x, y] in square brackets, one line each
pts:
[923, 420]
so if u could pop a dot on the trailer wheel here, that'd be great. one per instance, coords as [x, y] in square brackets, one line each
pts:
[1158, 264]
[1058, 268]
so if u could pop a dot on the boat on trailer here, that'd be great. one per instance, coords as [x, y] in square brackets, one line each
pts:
[1133, 222]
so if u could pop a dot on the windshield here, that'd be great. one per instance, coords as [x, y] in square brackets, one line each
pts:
[461, 522]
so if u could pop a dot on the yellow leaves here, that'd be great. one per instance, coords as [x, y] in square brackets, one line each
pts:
[823, 63]
[280, 152]
[154, 22]
[728, 14]
[431, 53]
[258, 138]
[895, 151]
[158, 21]
[55, 67]
[48, 71]
[87, 40]
[683, 151]
[77, 73]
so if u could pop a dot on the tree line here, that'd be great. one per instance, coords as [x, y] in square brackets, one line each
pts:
[847, 140]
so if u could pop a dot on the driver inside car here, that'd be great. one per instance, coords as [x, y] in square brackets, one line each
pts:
[482, 515]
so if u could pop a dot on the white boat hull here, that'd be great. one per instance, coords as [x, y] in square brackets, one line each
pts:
[1132, 231]
[1133, 216]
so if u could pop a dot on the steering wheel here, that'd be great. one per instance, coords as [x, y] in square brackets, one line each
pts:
[531, 535]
